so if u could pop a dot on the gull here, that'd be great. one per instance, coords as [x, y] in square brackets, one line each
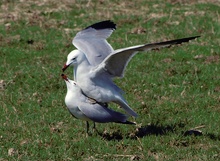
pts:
[94, 74]
[79, 106]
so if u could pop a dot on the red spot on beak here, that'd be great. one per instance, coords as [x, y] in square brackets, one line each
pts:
[64, 77]
[64, 67]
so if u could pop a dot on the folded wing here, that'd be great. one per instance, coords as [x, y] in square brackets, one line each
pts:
[98, 113]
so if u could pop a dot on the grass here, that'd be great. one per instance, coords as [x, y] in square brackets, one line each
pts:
[173, 90]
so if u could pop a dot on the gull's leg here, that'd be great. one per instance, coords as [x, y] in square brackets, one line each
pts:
[94, 125]
[87, 127]
[94, 128]
[90, 100]
[103, 104]
[93, 101]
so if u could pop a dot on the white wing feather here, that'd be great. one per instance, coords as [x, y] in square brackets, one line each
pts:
[116, 62]
[93, 44]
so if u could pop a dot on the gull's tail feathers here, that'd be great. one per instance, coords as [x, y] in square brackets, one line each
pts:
[126, 107]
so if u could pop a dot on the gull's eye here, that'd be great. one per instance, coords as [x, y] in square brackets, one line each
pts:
[73, 59]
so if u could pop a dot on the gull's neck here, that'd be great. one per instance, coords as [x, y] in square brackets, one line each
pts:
[81, 68]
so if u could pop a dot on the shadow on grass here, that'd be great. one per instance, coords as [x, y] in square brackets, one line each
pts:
[140, 132]
[153, 130]
[213, 136]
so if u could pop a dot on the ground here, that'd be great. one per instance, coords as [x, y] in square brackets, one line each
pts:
[175, 91]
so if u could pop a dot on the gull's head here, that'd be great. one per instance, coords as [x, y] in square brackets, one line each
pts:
[74, 58]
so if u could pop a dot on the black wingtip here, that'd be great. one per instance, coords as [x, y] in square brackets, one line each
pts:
[131, 123]
[187, 39]
[127, 122]
[108, 24]
[177, 41]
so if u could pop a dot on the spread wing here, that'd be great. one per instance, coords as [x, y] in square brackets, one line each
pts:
[116, 62]
[92, 41]
[98, 113]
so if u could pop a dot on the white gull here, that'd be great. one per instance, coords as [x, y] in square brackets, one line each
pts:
[81, 108]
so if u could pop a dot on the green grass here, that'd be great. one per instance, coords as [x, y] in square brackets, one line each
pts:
[173, 90]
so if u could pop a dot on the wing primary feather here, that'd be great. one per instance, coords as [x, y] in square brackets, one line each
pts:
[108, 24]
[176, 41]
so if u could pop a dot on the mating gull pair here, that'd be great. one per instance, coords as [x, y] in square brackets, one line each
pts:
[96, 63]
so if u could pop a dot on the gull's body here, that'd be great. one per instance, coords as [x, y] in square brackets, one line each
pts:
[94, 68]
[96, 83]
[80, 107]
